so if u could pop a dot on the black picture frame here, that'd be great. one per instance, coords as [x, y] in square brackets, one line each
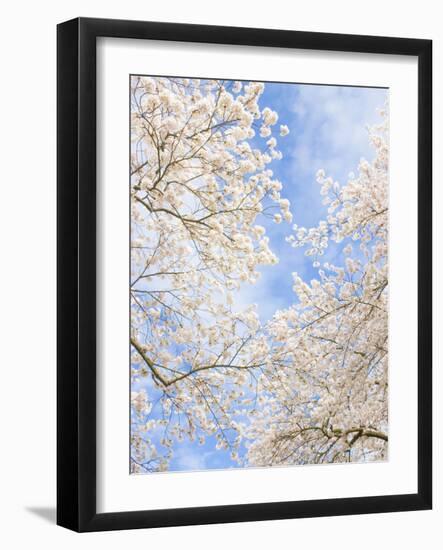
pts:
[76, 265]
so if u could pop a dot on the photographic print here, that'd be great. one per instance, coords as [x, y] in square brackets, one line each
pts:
[259, 290]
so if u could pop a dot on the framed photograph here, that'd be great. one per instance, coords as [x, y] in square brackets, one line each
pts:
[244, 274]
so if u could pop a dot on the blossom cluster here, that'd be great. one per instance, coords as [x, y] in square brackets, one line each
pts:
[198, 188]
[328, 375]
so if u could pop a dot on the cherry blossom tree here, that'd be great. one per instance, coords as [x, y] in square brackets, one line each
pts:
[327, 380]
[309, 386]
[197, 188]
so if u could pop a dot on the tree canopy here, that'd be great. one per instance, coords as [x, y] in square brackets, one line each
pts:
[308, 386]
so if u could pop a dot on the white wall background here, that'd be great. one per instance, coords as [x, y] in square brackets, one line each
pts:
[27, 290]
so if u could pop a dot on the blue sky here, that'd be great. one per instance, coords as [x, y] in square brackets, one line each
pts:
[328, 129]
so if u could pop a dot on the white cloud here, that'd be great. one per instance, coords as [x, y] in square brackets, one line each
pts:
[190, 457]
[331, 126]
